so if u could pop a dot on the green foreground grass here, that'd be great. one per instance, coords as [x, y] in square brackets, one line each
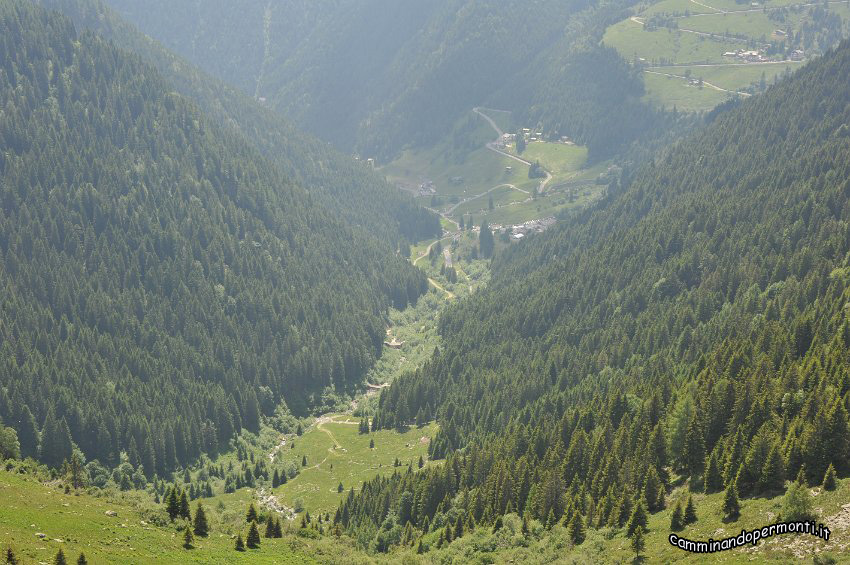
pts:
[78, 522]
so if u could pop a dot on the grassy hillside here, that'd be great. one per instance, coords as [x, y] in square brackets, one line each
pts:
[683, 46]
[338, 454]
[138, 533]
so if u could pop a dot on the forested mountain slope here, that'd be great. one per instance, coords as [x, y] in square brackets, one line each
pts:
[163, 284]
[375, 76]
[697, 324]
[357, 194]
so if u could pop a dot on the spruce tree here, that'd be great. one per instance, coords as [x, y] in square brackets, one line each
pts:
[651, 490]
[278, 531]
[459, 528]
[773, 473]
[275, 479]
[11, 558]
[188, 538]
[251, 515]
[185, 511]
[638, 542]
[731, 505]
[690, 515]
[60, 558]
[240, 545]
[28, 435]
[713, 477]
[269, 527]
[81, 560]
[577, 529]
[676, 522]
[801, 477]
[172, 504]
[253, 539]
[201, 525]
[829, 478]
[694, 447]
[497, 525]
[637, 519]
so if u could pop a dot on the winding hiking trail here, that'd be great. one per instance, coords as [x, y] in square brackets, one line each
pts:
[435, 284]
[730, 39]
[492, 147]
[485, 193]
[704, 82]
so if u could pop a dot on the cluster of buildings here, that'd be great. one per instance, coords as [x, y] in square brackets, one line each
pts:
[751, 56]
[529, 135]
[760, 55]
[519, 231]
[427, 188]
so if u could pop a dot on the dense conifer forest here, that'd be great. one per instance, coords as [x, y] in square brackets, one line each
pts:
[205, 310]
[353, 191]
[164, 285]
[695, 322]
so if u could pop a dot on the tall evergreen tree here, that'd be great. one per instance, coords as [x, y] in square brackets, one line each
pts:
[713, 478]
[253, 539]
[576, 529]
[251, 515]
[829, 479]
[690, 515]
[172, 504]
[638, 519]
[676, 519]
[185, 511]
[731, 505]
[201, 526]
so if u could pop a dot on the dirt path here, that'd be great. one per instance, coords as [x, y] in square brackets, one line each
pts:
[705, 83]
[437, 285]
[718, 36]
[718, 11]
[485, 193]
[492, 147]
[674, 65]
[428, 249]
